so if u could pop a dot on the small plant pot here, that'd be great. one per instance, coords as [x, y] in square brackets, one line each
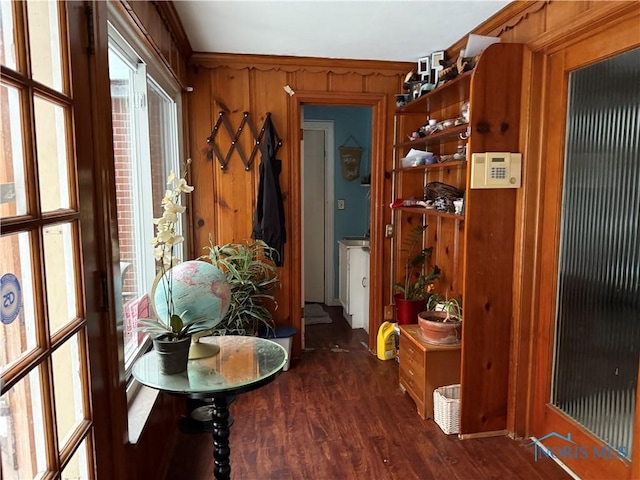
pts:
[407, 310]
[438, 332]
[173, 355]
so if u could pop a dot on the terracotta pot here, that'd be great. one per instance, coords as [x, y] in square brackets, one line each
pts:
[407, 310]
[437, 332]
[173, 355]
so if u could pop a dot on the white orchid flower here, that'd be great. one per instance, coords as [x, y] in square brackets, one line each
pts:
[166, 228]
[165, 236]
[175, 240]
[183, 186]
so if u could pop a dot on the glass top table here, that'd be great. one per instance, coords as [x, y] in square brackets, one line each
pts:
[243, 364]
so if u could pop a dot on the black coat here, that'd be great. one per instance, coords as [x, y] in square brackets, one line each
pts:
[268, 219]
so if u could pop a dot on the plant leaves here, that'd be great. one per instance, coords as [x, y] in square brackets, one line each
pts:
[176, 324]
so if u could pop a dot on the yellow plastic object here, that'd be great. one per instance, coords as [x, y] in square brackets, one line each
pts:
[386, 341]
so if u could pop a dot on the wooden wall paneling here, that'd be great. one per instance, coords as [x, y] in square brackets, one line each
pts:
[444, 256]
[310, 81]
[267, 95]
[559, 14]
[202, 118]
[381, 198]
[345, 82]
[149, 458]
[412, 181]
[294, 236]
[527, 248]
[169, 15]
[382, 125]
[489, 244]
[599, 15]
[160, 26]
[233, 185]
[610, 41]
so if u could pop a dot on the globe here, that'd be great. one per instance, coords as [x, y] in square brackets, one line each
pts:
[199, 291]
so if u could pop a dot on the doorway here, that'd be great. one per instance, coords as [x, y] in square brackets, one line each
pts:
[377, 104]
[327, 217]
[318, 168]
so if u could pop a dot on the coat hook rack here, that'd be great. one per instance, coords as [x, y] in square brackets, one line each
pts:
[223, 120]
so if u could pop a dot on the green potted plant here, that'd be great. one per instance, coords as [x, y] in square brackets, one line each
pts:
[252, 276]
[418, 278]
[441, 323]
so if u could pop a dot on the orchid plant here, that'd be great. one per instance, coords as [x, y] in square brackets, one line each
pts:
[166, 239]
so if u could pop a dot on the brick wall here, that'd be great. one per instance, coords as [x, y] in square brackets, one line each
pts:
[124, 188]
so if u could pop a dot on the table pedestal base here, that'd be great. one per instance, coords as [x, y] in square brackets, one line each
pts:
[220, 432]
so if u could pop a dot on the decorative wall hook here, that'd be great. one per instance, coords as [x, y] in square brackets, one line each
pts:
[214, 150]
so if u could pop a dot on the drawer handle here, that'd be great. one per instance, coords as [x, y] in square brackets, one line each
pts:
[410, 350]
[411, 372]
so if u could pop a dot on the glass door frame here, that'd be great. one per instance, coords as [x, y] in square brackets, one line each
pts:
[547, 418]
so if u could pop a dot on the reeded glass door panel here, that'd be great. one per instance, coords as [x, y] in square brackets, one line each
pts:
[60, 275]
[52, 153]
[67, 388]
[7, 43]
[598, 304]
[23, 433]
[13, 199]
[44, 39]
[18, 327]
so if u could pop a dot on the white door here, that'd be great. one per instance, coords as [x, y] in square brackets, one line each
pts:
[314, 202]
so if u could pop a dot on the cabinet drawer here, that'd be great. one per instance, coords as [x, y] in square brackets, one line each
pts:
[408, 350]
[410, 370]
[416, 394]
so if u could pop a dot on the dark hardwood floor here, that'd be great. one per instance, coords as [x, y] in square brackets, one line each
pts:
[338, 413]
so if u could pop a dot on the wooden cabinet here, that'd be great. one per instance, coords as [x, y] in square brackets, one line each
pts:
[475, 250]
[425, 367]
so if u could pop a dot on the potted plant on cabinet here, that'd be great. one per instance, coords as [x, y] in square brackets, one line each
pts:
[441, 323]
[418, 279]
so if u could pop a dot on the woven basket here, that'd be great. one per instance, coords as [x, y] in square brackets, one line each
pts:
[446, 408]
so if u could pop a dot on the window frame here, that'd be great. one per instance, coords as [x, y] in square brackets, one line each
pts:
[134, 50]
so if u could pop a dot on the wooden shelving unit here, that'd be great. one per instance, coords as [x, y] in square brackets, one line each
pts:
[475, 250]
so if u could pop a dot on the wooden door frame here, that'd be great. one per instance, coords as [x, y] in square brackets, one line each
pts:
[538, 235]
[378, 104]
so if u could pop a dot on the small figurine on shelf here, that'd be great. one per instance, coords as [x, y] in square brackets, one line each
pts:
[449, 71]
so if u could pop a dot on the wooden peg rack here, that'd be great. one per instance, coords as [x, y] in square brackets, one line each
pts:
[214, 149]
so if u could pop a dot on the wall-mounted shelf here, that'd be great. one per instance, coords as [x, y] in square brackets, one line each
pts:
[434, 166]
[431, 212]
[442, 135]
[440, 96]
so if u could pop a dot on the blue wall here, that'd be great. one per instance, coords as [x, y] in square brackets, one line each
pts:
[354, 219]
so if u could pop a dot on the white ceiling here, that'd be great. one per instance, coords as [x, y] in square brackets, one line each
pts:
[365, 30]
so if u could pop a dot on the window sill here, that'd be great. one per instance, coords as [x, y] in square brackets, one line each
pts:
[139, 412]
